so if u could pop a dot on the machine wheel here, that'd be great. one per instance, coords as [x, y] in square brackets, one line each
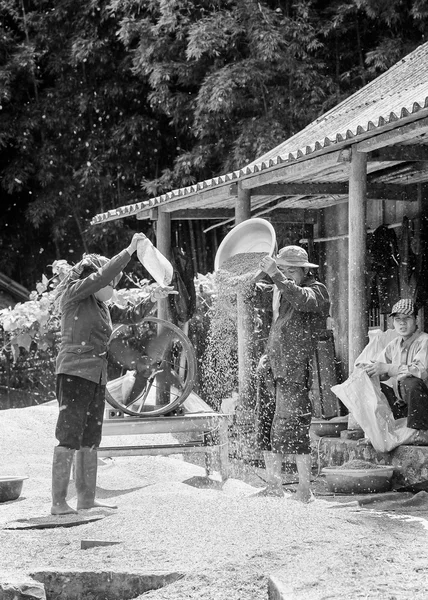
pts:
[156, 364]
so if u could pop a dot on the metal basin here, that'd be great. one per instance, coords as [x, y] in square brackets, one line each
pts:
[359, 481]
[10, 487]
[252, 235]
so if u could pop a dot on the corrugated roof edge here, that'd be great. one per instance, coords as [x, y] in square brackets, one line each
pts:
[300, 154]
[327, 144]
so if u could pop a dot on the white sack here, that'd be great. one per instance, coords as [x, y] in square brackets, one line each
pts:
[363, 397]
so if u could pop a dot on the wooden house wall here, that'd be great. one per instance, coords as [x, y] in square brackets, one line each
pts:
[334, 222]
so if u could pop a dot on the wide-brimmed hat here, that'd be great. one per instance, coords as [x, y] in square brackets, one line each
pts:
[405, 306]
[294, 256]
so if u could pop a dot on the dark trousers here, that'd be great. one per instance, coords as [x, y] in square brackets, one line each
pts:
[283, 416]
[81, 412]
[265, 410]
[413, 402]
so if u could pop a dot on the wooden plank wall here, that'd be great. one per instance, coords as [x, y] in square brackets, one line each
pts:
[334, 222]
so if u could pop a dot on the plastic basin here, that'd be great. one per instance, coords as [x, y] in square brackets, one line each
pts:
[10, 487]
[358, 481]
[252, 235]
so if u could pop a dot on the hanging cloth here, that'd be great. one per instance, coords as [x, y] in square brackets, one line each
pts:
[407, 262]
[421, 272]
[384, 260]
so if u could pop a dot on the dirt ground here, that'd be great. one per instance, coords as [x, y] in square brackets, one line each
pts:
[225, 541]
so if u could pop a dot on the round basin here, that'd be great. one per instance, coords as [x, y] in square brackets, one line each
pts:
[10, 487]
[252, 235]
[359, 481]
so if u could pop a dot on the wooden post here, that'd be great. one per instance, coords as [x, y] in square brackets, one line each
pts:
[422, 244]
[357, 304]
[163, 244]
[245, 328]
[243, 205]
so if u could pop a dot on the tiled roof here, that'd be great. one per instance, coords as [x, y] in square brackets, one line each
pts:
[396, 96]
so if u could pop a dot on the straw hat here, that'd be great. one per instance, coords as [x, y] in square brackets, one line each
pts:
[294, 256]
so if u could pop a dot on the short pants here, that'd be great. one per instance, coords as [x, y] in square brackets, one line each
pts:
[81, 412]
[287, 420]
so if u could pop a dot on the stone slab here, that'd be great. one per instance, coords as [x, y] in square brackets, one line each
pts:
[52, 522]
[106, 585]
[278, 589]
[20, 586]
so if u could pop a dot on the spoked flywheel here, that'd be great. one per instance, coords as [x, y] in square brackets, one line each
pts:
[152, 368]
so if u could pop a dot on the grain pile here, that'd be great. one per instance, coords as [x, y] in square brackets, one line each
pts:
[358, 464]
[220, 365]
[224, 540]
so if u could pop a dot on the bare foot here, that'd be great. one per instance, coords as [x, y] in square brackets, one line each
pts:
[270, 490]
[93, 504]
[303, 495]
[62, 509]
[364, 442]
[420, 438]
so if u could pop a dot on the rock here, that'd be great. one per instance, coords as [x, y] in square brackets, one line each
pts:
[19, 586]
[78, 583]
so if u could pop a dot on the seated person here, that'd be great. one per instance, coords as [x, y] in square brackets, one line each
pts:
[402, 368]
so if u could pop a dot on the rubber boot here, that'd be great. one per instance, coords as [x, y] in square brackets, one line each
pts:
[273, 463]
[304, 468]
[86, 479]
[61, 468]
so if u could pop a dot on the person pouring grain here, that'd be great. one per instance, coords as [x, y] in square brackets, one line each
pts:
[301, 305]
[84, 299]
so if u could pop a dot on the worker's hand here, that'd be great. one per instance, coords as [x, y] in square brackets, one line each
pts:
[263, 365]
[376, 368]
[159, 293]
[135, 239]
[87, 261]
[268, 265]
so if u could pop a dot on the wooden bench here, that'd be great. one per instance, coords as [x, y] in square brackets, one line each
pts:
[195, 417]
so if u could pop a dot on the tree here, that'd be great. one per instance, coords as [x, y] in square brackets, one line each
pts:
[235, 78]
[108, 102]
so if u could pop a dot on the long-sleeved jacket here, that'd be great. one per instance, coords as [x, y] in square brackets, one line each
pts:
[86, 323]
[406, 358]
[302, 316]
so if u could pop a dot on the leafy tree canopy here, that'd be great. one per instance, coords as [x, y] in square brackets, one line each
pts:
[106, 102]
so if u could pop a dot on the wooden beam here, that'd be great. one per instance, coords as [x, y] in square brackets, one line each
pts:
[397, 135]
[306, 167]
[375, 191]
[204, 197]
[399, 153]
[198, 214]
[293, 215]
[296, 189]
[357, 311]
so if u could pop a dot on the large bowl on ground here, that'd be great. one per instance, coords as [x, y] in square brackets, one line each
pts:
[252, 235]
[10, 487]
[325, 428]
[359, 481]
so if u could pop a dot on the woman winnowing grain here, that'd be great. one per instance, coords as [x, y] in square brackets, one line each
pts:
[301, 306]
[81, 368]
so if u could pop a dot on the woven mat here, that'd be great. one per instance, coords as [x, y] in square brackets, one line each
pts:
[51, 521]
